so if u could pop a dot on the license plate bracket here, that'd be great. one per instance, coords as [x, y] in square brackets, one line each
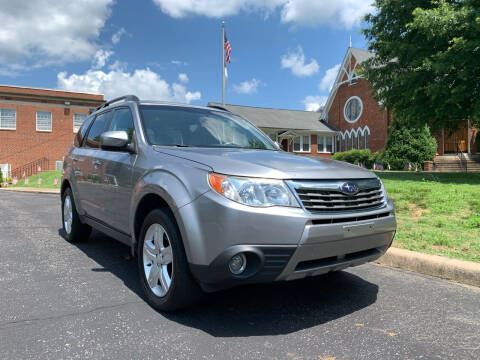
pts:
[358, 230]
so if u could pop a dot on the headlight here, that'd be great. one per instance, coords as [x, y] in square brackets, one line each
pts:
[252, 191]
[384, 191]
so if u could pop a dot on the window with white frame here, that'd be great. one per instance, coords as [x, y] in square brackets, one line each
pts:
[78, 120]
[301, 143]
[8, 119]
[347, 142]
[44, 121]
[366, 135]
[58, 165]
[324, 144]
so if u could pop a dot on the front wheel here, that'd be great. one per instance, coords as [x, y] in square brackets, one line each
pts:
[73, 228]
[164, 273]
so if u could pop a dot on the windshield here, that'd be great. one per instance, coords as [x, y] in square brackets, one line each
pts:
[179, 126]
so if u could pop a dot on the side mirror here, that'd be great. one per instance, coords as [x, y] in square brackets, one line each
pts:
[115, 140]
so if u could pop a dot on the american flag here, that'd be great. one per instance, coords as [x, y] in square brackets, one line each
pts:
[228, 49]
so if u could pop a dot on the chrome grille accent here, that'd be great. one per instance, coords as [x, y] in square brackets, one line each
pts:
[327, 196]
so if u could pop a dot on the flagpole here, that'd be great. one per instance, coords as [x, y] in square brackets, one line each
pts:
[223, 62]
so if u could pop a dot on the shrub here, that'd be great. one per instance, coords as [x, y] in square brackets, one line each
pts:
[358, 157]
[408, 144]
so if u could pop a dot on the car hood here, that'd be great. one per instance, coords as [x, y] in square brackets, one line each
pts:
[267, 164]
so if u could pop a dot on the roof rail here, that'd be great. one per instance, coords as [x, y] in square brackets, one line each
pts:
[219, 107]
[124, 98]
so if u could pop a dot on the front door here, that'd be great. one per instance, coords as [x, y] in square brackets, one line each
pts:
[116, 169]
[92, 195]
[459, 137]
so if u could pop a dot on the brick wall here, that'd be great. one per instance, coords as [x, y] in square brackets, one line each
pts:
[372, 115]
[25, 144]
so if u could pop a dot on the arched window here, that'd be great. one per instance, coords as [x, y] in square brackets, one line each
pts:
[354, 140]
[347, 142]
[360, 141]
[366, 139]
[338, 147]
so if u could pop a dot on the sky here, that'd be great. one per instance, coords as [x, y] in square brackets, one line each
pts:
[285, 53]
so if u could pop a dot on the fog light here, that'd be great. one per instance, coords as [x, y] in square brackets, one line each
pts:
[237, 264]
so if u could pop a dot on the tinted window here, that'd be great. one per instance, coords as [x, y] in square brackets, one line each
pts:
[122, 121]
[199, 127]
[97, 129]
[83, 131]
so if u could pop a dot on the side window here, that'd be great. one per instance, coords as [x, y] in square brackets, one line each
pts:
[97, 129]
[122, 121]
[83, 130]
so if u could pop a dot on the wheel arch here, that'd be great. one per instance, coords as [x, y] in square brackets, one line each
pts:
[149, 201]
[65, 185]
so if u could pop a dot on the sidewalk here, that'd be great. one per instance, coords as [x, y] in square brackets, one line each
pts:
[31, 190]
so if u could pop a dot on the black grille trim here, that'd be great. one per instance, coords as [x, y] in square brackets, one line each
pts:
[334, 260]
[349, 219]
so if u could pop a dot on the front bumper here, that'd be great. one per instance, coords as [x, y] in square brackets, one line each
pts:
[279, 243]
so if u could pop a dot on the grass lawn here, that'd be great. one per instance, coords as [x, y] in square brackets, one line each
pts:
[437, 213]
[48, 178]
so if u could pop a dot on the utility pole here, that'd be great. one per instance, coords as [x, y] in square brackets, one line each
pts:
[223, 63]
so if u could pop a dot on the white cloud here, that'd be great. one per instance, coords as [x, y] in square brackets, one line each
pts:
[343, 13]
[313, 103]
[329, 78]
[247, 87]
[214, 8]
[41, 32]
[100, 58]
[179, 62]
[144, 83]
[118, 35]
[295, 61]
[337, 13]
[183, 78]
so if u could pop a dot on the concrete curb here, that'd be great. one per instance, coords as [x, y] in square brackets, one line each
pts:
[31, 190]
[465, 272]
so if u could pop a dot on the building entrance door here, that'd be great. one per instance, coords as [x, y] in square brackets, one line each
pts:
[459, 137]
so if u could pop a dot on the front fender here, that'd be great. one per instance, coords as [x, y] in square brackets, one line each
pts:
[176, 189]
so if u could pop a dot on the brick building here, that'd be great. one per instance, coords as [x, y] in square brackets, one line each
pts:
[362, 123]
[38, 125]
[300, 132]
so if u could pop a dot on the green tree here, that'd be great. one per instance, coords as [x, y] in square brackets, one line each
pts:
[427, 63]
[408, 144]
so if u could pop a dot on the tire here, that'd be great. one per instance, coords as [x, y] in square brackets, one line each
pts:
[73, 228]
[164, 273]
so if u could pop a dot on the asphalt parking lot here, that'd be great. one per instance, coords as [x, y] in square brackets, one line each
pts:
[63, 301]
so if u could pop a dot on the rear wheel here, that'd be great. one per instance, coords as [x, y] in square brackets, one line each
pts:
[164, 272]
[73, 228]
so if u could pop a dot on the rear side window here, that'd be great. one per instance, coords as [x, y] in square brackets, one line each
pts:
[122, 121]
[98, 128]
[83, 130]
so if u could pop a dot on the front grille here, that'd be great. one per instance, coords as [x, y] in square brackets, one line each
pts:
[327, 197]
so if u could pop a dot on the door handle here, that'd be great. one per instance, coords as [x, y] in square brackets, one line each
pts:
[74, 159]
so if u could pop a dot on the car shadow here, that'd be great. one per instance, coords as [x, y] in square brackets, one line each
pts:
[250, 310]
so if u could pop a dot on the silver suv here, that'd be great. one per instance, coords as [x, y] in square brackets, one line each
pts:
[207, 201]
